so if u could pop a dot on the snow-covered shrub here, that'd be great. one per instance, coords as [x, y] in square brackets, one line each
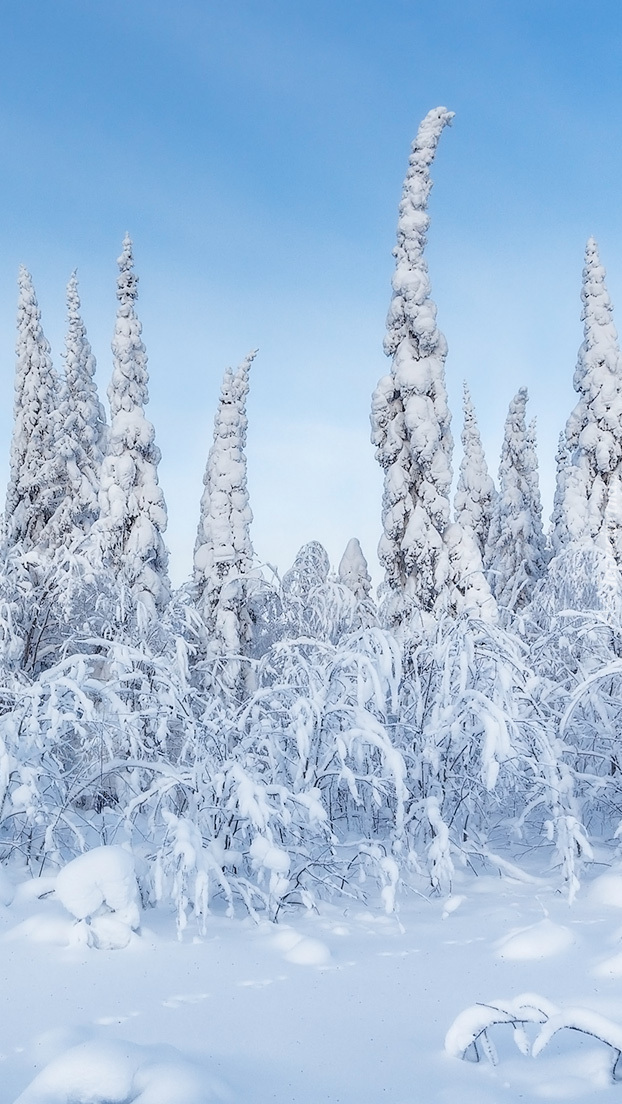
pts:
[484, 765]
[99, 889]
[581, 578]
[469, 1035]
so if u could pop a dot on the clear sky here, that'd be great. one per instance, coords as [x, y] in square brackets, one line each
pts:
[255, 150]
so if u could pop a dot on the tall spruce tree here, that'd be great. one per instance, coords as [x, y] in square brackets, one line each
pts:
[82, 429]
[36, 484]
[592, 505]
[559, 530]
[223, 550]
[515, 553]
[475, 493]
[410, 417]
[133, 511]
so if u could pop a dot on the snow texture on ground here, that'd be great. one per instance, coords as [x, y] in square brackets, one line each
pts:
[348, 1007]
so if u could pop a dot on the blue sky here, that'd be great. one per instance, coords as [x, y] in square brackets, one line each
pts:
[255, 151]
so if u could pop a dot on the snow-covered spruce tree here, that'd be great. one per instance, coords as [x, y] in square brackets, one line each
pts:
[37, 589]
[36, 478]
[223, 547]
[559, 530]
[81, 435]
[133, 511]
[475, 493]
[312, 605]
[468, 591]
[353, 571]
[223, 552]
[592, 507]
[410, 417]
[515, 552]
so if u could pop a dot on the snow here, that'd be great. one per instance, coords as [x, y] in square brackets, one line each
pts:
[606, 890]
[301, 949]
[345, 1005]
[535, 942]
[118, 1073]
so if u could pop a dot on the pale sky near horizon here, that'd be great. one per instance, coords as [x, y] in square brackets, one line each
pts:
[255, 151]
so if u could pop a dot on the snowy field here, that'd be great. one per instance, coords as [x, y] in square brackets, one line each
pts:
[349, 1006]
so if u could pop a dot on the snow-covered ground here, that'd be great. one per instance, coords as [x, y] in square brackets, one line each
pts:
[350, 1006]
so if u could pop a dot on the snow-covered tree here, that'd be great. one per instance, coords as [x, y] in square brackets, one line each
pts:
[559, 530]
[81, 433]
[592, 506]
[133, 511]
[515, 553]
[410, 417]
[533, 484]
[475, 493]
[468, 589]
[223, 549]
[353, 571]
[36, 477]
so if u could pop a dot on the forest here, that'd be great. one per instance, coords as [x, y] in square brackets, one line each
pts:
[257, 745]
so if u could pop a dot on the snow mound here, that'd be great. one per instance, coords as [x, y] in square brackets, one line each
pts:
[99, 888]
[607, 890]
[609, 968]
[116, 1072]
[535, 942]
[48, 927]
[300, 949]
